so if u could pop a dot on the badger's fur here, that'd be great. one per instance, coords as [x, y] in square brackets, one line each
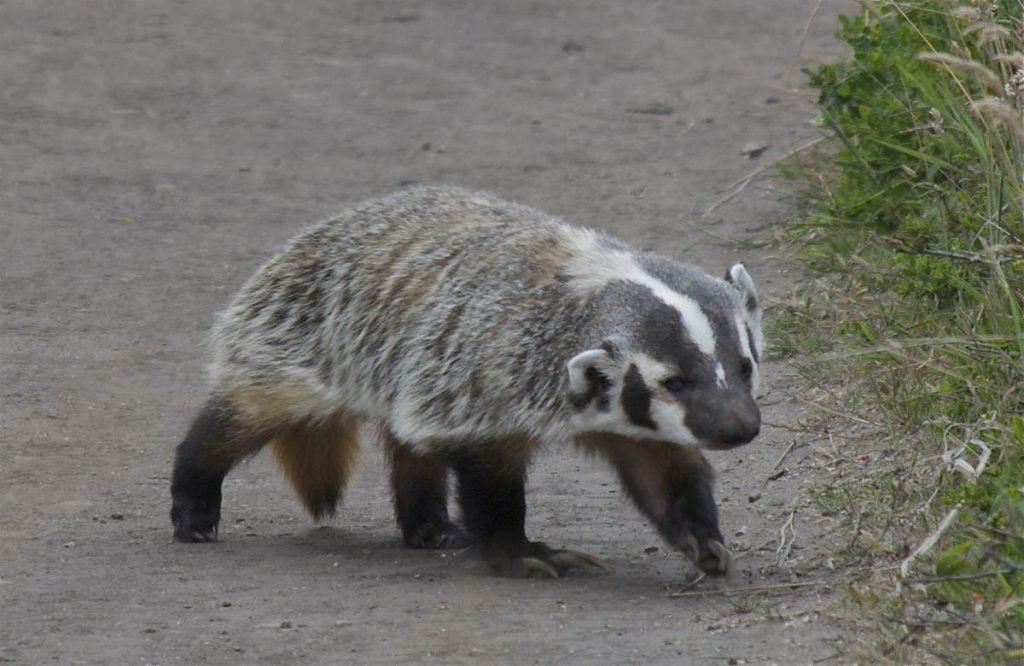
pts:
[472, 330]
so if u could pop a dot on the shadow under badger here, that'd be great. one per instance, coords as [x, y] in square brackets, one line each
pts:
[472, 330]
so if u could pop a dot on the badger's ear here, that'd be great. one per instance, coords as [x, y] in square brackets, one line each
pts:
[592, 376]
[739, 278]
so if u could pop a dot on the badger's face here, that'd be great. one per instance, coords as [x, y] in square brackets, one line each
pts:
[687, 373]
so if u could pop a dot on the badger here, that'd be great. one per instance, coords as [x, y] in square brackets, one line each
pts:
[470, 331]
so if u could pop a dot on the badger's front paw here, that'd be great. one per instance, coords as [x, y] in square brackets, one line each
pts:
[692, 527]
[710, 555]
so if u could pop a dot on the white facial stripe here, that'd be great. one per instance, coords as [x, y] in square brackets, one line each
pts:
[652, 371]
[741, 333]
[592, 267]
[671, 420]
[694, 319]
[720, 375]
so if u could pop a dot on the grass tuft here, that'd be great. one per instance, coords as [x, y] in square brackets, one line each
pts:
[916, 235]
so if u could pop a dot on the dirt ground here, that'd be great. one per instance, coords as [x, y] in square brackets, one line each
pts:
[153, 153]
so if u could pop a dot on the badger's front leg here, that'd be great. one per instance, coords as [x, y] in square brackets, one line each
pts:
[492, 495]
[671, 485]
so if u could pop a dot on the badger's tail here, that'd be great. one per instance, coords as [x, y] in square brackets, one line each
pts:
[318, 458]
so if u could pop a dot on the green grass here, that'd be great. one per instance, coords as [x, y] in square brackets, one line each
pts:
[916, 229]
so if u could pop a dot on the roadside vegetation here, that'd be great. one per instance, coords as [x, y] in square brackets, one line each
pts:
[914, 229]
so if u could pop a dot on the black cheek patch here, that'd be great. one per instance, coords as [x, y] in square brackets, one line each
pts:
[636, 399]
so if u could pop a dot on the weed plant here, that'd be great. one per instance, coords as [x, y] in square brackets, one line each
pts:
[917, 220]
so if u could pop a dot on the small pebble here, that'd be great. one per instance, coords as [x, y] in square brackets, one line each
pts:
[753, 149]
[655, 109]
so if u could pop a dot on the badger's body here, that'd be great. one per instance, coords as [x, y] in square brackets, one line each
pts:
[474, 330]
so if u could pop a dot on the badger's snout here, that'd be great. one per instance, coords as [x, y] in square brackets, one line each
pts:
[724, 420]
[740, 427]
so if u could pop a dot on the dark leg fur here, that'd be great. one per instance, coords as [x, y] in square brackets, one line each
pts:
[419, 486]
[492, 495]
[691, 523]
[672, 486]
[214, 443]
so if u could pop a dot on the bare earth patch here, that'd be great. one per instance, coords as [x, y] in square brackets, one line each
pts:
[152, 154]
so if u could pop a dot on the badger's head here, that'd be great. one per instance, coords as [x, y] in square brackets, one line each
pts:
[680, 362]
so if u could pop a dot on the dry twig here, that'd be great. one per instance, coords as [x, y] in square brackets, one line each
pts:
[807, 28]
[930, 542]
[752, 588]
[739, 185]
[785, 546]
[850, 417]
[782, 457]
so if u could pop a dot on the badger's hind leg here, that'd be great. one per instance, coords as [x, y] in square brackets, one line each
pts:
[419, 487]
[318, 458]
[492, 494]
[218, 438]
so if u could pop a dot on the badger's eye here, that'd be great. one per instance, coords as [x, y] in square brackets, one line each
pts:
[676, 384]
[746, 369]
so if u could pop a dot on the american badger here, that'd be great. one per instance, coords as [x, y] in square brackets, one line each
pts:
[471, 331]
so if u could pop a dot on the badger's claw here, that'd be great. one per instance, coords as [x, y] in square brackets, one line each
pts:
[571, 559]
[531, 566]
[711, 556]
[716, 561]
[542, 561]
[197, 537]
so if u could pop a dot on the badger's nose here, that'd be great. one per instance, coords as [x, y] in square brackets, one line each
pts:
[739, 423]
[743, 428]
[723, 420]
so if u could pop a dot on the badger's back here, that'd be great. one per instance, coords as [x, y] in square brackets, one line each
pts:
[426, 309]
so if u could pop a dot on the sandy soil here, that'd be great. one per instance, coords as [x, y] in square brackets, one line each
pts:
[152, 153]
